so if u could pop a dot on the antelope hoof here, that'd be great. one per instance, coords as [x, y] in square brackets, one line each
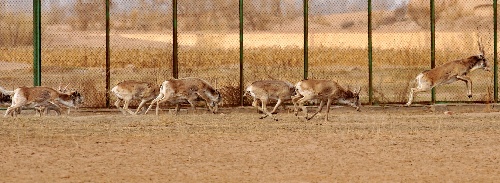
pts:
[275, 112]
[470, 96]
[262, 117]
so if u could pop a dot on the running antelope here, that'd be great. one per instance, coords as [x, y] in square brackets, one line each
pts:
[44, 107]
[450, 72]
[42, 96]
[325, 91]
[134, 90]
[270, 89]
[190, 89]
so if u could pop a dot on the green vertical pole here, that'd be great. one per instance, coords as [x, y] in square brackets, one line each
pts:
[306, 35]
[175, 60]
[241, 51]
[37, 43]
[370, 55]
[108, 76]
[433, 44]
[495, 53]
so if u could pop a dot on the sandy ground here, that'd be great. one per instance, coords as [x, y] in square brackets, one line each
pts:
[379, 144]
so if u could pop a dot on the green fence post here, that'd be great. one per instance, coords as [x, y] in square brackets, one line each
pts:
[241, 51]
[370, 55]
[306, 35]
[37, 43]
[175, 62]
[433, 45]
[107, 56]
[495, 53]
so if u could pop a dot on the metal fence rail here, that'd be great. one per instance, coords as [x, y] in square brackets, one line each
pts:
[383, 68]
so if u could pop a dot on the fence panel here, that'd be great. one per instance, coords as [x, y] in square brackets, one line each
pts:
[208, 37]
[16, 44]
[338, 44]
[273, 43]
[401, 50]
[140, 42]
[73, 48]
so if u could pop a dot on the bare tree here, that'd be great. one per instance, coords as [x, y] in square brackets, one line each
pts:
[87, 12]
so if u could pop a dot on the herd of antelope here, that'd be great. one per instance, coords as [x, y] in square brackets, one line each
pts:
[192, 90]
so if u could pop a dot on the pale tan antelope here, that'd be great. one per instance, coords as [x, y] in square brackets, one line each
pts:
[266, 90]
[134, 90]
[325, 91]
[42, 96]
[190, 89]
[450, 72]
[45, 107]
[38, 107]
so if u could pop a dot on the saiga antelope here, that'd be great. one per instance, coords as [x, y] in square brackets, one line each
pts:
[44, 107]
[41, 96]
[450, 72]
[175, 90]
[134, 90]
[325, 91]
[270, 89]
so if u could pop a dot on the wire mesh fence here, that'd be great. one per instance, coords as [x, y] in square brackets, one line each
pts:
[16, 38]
[339, 40]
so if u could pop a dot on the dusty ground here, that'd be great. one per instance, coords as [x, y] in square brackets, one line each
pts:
[379, 144]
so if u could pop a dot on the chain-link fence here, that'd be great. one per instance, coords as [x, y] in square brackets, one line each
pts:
[380, 46]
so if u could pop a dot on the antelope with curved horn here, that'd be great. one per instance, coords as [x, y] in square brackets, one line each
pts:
[450, 72]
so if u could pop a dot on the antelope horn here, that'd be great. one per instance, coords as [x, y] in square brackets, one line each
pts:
[479, 40]
[216, 88]
[66, 87]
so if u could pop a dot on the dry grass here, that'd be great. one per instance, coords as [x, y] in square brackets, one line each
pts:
[208, 58]
[15, 29]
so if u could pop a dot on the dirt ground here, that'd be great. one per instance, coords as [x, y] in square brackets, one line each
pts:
[379, 144]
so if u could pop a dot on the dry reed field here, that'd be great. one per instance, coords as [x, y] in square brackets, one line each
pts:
[378, 144]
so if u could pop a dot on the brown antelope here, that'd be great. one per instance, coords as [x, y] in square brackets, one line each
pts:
[187, 89]
[323, 90]
[190, 89]
[134, 90]
[270, 89]
[42, 96]
[44, 108]
[49, 106]
[450, 72]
